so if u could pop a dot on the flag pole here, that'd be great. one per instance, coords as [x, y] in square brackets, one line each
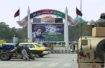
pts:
[81, 24]
[81, 6]
[29, 28]
[19, 13]
[76, 14]
[66, 29]
[81, 16]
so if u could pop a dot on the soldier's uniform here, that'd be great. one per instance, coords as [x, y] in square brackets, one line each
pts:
[101, 21]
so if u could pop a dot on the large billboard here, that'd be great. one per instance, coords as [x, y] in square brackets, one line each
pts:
[47, 32]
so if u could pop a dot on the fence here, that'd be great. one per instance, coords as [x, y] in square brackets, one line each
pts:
[63, 52]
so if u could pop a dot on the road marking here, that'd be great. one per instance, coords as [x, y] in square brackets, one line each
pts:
[67, 65]
[37, 64]
[53, 64]
[9, 64]
[22, 64]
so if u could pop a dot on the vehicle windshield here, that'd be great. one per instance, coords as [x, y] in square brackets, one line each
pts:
[9, 44]
[40, 45]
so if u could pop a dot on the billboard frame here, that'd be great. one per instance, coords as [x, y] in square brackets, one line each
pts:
[49, 23]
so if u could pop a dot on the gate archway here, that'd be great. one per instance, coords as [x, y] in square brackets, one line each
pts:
[24, 21]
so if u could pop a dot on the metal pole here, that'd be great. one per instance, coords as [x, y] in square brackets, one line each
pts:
[81, 5]
[81, 22]
[29, 27]
[19, 13]
[66, 29]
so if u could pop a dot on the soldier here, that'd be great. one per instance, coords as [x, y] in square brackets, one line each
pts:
[102, 16]
[101, 21]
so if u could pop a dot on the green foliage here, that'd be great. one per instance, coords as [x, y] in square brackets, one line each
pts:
[79, 30]
[74, 31]
[22, 32]
[7, 33]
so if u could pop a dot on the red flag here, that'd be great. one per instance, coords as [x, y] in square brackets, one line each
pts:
[78, 12]
[17, 13]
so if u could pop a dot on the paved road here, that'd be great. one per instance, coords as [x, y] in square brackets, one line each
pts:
[48, 61]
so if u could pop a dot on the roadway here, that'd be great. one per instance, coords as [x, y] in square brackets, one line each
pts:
[48, 61]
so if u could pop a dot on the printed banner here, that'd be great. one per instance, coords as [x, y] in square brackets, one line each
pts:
[47, 32]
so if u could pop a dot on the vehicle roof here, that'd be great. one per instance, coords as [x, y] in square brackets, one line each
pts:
[28, 43]
[9, 43]
[22, 43]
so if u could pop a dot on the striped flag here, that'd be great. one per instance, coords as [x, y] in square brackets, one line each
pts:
[23, 22]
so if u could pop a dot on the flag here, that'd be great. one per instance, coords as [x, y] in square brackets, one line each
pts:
[23, 22]
[72, 21]
[78, 12]
[17, 13]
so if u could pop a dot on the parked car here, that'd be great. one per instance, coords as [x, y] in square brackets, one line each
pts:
[1, 42]
[6, 54]
[47, 49]
[8, 46]
[37, 46]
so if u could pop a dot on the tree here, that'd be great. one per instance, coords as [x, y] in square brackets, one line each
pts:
[5, 32]
[92, 22]
[76, 31]
[14, 32]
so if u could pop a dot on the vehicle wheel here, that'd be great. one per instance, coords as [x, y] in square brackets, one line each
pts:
[100, 50]
[40, 55]
[10, 56]
[4, 56]
[19, 56]
[31, 57]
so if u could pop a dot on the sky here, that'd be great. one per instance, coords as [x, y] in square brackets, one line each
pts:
[91, 9]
